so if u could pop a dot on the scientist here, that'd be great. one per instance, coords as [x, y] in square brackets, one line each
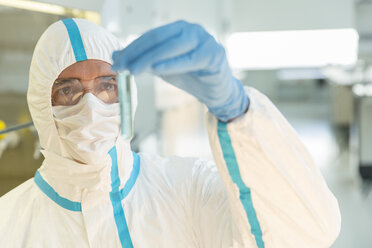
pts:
[261, 190]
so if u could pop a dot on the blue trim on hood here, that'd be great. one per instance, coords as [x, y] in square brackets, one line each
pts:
[75, 39]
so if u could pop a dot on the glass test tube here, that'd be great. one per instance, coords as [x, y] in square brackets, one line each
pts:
[125, 100]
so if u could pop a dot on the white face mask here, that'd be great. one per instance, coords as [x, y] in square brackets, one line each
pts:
[89, 129]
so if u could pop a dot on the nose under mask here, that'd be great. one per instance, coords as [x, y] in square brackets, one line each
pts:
[89, 129]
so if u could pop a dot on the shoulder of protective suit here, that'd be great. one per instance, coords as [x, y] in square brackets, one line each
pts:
[19, 193]
[16, 207]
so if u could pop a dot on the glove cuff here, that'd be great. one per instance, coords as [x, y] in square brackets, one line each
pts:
[236, 105]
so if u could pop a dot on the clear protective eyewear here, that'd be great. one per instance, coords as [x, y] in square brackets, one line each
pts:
[67, 92]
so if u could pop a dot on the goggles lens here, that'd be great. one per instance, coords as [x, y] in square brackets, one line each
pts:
[66, 92]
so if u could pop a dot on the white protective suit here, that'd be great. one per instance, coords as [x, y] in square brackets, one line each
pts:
[261, 190]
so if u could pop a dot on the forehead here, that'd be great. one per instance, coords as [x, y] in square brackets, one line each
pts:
[87, 69]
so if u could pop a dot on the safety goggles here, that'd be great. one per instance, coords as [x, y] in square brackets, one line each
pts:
[67, 92]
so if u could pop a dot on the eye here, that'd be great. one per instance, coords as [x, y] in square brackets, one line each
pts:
[109, 86]
[65, 91]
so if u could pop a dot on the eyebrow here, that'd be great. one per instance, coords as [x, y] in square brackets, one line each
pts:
[61, 81]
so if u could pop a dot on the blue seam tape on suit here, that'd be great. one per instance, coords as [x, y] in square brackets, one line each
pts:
[53, 195]
[75, 39]
[245, 192]
[133, 177]
[116, 196]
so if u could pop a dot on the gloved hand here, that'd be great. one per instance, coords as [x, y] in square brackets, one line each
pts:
[188, 57]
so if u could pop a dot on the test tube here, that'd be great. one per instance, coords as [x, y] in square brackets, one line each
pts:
[125, 101]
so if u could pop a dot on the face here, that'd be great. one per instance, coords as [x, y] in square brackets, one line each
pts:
[94, 76]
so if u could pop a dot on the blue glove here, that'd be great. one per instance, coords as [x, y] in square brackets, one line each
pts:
[188, 57]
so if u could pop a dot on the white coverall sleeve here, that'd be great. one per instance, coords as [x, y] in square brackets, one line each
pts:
[277, 196]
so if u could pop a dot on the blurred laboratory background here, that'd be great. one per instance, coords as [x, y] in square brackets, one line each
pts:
[313, 59]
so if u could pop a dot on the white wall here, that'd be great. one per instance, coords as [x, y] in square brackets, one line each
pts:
[137, 16]
[363, 23]
[269, 15]
[92, 5]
